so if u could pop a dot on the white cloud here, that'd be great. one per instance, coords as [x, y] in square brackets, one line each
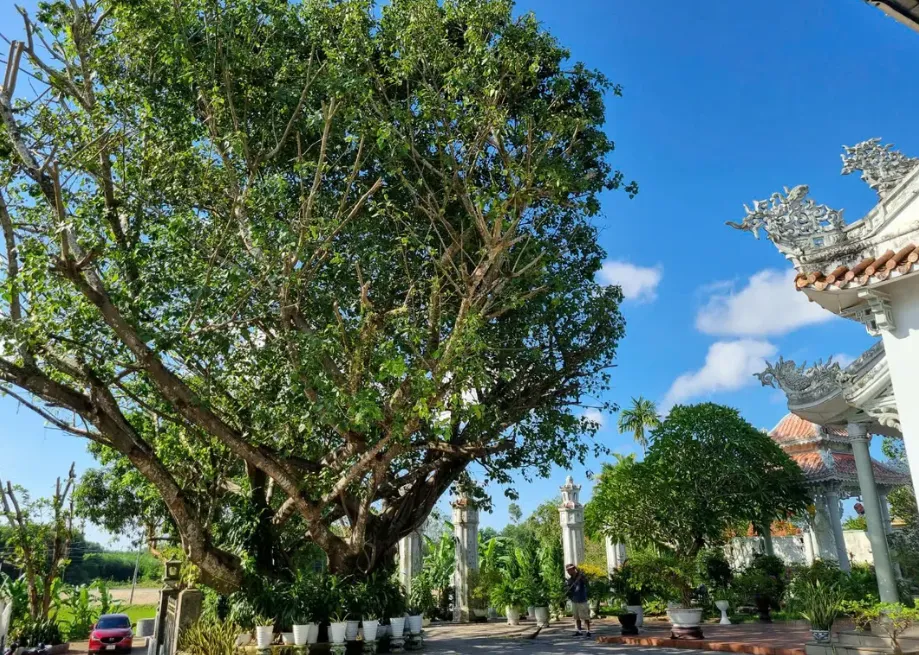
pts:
[768, 305]
[729, 365]
[595, 416]
[638, 282]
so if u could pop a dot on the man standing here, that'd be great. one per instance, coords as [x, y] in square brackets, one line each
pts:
[576, 590]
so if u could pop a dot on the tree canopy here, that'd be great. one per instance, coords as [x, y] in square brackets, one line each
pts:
[708, 471]
[292, 266]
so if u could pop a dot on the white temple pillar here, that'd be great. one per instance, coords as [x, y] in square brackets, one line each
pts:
[901, 345]
[410, 560]
[808, 542]
[571, 515]
[824, 537]
[466, 536]
[887, 582]
[842, 555]
[615, 555]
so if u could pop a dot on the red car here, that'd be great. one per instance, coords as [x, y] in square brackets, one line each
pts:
[112, 633]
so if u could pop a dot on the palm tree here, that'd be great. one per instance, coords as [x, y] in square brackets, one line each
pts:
[642, 414]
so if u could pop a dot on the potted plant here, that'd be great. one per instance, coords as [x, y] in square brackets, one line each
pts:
[715, 572]
[479, 587]
[540, 599]
[414, 620]
[893, 619]
[511, 595]
[338, 628]
[685, 619]
[628, 620]
[264, 631]
[820, 605]
[370, 626]
[760, 588]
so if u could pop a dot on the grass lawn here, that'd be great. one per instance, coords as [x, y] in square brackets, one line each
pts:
[135, 612]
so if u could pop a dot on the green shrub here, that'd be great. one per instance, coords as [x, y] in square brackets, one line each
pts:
[31, 633]
[713, 569]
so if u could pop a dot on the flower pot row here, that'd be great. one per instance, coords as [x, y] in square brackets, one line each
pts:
[541, 614]
[339, 631]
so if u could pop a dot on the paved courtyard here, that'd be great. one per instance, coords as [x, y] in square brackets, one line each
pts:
[489, 638]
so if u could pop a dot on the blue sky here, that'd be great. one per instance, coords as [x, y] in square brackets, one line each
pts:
[724, 103]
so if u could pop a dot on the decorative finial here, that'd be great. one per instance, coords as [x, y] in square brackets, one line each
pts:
[793, 219]
[882, 167]
[800, 381]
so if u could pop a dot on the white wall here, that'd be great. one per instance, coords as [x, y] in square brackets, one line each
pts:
[740, 550]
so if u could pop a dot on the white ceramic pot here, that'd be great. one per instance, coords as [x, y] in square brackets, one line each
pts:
[337, 632]
[542, 616]
[264, 635]
[351, 630]
[684, 618]
[397, 627]
[313, 635]
[244, 639]
[531, 612]
[821, 636]
[414, 624]
[639, 614]
[723, 606]
[425, 622]
[301, 634]
[382, 631]
[513, 615]
[287, 638]
[370, 630]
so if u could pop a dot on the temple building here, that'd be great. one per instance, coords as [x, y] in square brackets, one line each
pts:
[825, 456]
[865, 271]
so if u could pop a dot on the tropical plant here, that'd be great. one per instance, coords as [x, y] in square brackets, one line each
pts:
[821, 605]
[209, 637]
[35, 632]
[199, 260]
[510, 592]
[636, 419]
[659, 503]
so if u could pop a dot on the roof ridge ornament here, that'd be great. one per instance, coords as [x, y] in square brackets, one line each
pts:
[800, 381]
[882, 167]
[791, 219]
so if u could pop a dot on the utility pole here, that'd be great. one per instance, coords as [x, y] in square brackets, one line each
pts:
[136, 566]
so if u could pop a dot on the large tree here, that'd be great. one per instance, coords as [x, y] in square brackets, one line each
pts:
[707, 471]
[297, 264]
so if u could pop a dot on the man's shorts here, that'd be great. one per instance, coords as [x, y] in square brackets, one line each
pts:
[580, 611]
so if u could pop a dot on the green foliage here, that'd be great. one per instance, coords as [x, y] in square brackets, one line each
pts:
[284, 255]
[209, 637]
[713, 569]
[510, 592]
[659, 502]
[820, 604]
[893, 619]
[855, 523]
[114, 567]
[35, 632]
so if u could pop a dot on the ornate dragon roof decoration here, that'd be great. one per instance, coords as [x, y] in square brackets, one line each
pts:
[882, 167]
[801, 382]
[792, 219]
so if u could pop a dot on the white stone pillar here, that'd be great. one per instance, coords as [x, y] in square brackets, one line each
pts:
[901, 345]
[615, 555]
[824, 538]
[887, 582]
[571, 515]
[842, 555]
[466, 536]
[410, 560]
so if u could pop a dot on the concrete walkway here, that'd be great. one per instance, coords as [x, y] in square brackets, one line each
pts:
[498, 637]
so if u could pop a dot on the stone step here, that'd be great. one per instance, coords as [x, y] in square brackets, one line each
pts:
[874, 640]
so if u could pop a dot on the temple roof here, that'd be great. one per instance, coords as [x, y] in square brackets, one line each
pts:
[824, 453]
[862, 273]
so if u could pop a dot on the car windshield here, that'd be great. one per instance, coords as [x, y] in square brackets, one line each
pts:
[112, 622]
